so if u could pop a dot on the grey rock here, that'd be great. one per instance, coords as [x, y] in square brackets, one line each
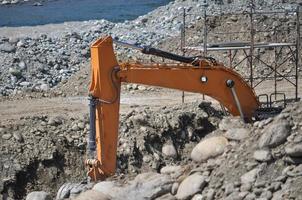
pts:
[173, 171]
[54, 121]
[40, 195]
[275, 134]
[75, 127]
[229, 123]
[174, 188]
[276, 186]
[144, 186]
[209, 148]
[105, 187]
[229, 188]
[7, 47]
[198, 197]
[169, 150]
[15, 72]
[250, 196]
[235, 196]
[22, 65]
[18, 136]
[64, 191]
[263, 155]
[25, 83]
[139, 120]
[249, 177]
[294, 150]
[44, 87]
[246, 187]
[166, 197]
[148, 185]
[71, 190]
[237, 134]
[190, 186]
[92, 195]
[77, 189]
[259, 184]
[266, 194]
[210, 194]
[6, 136]
[20, 43]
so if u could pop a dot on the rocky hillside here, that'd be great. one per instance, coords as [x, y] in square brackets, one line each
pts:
[38, 63]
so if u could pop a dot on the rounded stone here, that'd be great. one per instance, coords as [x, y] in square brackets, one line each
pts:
[169, 150]
[209, 148]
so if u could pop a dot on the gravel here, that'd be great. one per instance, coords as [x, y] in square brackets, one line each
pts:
[37, 64]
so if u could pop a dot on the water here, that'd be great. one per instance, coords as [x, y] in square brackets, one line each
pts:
[58, 11]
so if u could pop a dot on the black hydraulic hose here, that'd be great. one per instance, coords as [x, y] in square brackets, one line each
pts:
[171, 56]
[92, 131]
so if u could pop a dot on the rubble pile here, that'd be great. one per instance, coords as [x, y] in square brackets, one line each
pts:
[234, 161]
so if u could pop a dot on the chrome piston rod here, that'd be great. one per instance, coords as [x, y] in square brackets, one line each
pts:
[231, 84]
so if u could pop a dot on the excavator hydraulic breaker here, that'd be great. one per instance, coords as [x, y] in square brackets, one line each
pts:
[105, 90]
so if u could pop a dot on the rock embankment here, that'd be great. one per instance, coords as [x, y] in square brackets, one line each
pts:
[258, 167]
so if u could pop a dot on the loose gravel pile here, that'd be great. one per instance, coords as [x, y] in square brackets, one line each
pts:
[37, 64]
[233, 161]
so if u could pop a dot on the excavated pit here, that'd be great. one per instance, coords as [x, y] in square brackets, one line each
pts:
[42, 153]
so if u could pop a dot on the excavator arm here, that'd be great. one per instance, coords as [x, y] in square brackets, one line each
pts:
[199, 76]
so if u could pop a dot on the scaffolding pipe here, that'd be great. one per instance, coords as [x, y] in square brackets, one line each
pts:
[297, 50]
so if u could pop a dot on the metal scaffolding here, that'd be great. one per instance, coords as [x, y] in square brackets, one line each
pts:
[249, 46]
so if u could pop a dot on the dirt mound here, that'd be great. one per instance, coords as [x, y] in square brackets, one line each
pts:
[241, 161]
[41, 153]
[150, 139]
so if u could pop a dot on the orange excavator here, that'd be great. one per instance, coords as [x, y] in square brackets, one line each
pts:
[192, 74]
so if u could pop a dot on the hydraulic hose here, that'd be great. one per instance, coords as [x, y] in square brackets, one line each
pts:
[91, 144]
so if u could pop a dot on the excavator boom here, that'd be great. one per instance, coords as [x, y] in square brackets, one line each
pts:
[196, 75]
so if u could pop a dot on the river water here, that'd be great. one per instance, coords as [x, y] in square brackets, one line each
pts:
[58, 11]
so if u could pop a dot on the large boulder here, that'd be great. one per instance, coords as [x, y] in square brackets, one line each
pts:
[105, 187]
[209, 148]
[275, 134]
[144, 186]
[69, 190]
[190, 186]
[148, 186]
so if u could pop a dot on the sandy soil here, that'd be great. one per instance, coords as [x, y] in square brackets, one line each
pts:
[52, 30]
[76, 106]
